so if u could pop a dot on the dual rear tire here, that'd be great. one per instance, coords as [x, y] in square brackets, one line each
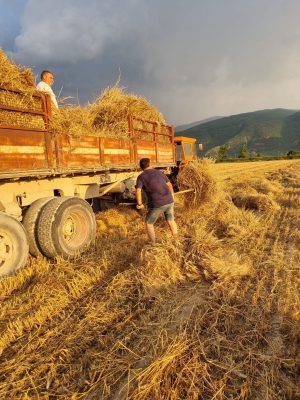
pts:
[52, 226]
[66, 227]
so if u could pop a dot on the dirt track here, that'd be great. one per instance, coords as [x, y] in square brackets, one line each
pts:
[214, 315]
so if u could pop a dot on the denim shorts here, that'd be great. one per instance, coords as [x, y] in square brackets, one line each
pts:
[154, 213]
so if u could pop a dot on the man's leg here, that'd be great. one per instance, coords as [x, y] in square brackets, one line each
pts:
[169, 215]
[150, 232]
[173, 227]
[151, 218]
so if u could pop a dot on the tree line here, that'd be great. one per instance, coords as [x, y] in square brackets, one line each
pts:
[246, 154]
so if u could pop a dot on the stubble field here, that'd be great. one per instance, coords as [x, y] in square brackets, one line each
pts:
[214, 314]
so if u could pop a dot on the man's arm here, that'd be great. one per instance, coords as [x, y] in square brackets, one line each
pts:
[170, 186]
[138, 196]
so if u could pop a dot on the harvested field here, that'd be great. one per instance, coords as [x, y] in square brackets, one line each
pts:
[212, 315]
[231, 171]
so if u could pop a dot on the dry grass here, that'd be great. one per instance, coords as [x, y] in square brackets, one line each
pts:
[214, 315]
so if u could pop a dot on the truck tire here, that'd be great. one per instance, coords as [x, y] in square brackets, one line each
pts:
[14, 246]
[30, 223]
[66, 227]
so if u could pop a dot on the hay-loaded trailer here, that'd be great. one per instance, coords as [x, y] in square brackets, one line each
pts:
[50, 182]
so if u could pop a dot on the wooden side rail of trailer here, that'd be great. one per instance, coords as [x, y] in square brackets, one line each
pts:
[38, 152]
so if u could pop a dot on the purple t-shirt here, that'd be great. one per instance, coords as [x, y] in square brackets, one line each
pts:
[153, 182]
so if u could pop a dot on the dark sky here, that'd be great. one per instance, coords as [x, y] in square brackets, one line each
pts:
[193, 59]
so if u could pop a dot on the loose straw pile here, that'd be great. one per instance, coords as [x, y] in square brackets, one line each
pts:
[196, 175]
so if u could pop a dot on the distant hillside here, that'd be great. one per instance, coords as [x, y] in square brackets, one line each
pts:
[265, 132]
[184, 127]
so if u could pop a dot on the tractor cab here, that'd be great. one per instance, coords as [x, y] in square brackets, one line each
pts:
[186, 149]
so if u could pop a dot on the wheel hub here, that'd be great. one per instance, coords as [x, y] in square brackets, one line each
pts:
[69, 228]
[6, 248]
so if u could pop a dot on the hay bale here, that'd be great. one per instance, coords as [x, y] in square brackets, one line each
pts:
[196, 175]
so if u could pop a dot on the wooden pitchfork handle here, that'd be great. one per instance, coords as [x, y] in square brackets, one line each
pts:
[184, 191]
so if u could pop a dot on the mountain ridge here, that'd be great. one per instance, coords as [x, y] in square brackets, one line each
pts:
[269, 132]
[183, 127]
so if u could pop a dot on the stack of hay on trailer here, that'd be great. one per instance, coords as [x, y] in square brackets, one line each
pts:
[106, 116]
[17, 90]
[14, 76]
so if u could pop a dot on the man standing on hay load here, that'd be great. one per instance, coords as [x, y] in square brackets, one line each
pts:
[47, 79]
[159, 191]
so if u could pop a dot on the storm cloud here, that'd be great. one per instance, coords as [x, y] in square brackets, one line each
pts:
[193, 59]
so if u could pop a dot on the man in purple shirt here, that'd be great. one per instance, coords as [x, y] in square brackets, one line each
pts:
[159, 192]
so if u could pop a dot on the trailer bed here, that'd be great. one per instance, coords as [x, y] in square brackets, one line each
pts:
[35, 152]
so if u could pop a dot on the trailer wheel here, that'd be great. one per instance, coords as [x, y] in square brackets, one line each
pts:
[30, 223]
[14, 247]
[66, 227]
